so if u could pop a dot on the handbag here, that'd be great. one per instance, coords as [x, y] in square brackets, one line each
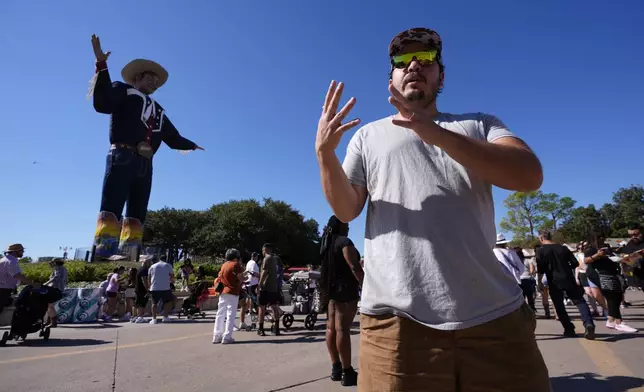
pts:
[219, 285]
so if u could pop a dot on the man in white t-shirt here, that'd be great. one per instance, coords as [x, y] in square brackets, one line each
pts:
[252, 280]
[160, 276]
[434, 296]
[508, 258]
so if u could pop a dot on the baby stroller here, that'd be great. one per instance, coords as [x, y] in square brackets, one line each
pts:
[305, 299]
[30, 309]
[198, 294]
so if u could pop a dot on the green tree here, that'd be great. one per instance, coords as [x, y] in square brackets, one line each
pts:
[242, 224]
[556, 209]
[524, 215]
[627, 207]
[584, 223]
[172, 229]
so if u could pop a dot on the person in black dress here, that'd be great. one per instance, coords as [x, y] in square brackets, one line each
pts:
[340, 281]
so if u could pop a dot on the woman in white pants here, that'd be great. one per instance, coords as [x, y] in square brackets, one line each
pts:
[231, 277]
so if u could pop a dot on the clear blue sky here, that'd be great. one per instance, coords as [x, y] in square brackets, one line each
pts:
[247, 80]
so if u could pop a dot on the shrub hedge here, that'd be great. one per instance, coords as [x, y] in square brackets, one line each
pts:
[81, 271]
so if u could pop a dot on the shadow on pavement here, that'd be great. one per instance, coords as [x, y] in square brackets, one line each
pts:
[617, 338]
[590, 382]
[87, 326]
[600, 337]
[299, 337]
[62, 342]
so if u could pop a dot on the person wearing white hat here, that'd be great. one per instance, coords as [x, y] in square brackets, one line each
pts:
[138, 126]
[508, 258]
[11, 274]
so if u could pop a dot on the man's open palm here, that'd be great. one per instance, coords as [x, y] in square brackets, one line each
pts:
[330, 127]
[98, 51]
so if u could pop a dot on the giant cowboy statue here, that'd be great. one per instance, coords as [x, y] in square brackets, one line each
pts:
[138, 126]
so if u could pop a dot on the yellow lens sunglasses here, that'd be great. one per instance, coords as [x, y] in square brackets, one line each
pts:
[426, 57]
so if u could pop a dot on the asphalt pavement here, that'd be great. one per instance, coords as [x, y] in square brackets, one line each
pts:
[180, 357]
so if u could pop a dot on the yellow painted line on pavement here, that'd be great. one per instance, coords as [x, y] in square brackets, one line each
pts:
[100, 349]
[605, 359]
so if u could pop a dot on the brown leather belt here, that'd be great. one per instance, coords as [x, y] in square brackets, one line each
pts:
[121, 145]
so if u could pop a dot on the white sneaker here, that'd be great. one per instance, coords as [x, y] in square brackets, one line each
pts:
[610, 325]
[153, 321]
[216, 339]
[623, 327]
[228, 340]
[166, 320]
[140, 320]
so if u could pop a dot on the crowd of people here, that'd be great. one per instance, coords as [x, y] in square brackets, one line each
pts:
[564, 276]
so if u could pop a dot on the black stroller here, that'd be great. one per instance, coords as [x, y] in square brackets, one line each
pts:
[198, 294]
[30, 309]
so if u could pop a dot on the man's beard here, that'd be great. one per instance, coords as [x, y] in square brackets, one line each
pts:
[422, 97]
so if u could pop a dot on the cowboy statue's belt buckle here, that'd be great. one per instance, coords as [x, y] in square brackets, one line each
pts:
[145, 150]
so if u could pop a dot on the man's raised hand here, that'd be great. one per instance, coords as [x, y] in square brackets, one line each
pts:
[330, 127]
[98, 51]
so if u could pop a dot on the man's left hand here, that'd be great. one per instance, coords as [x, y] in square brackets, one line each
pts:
[413, 116]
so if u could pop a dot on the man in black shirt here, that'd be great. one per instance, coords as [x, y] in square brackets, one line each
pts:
[141, 290]
[559, 263]
[138, 125]
[633, 252]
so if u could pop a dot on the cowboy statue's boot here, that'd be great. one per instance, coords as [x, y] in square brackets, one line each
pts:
[131, 235]
[106, 237]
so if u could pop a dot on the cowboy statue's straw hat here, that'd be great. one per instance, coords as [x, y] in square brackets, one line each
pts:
[500, 239]
[138, 66]
[15, 248]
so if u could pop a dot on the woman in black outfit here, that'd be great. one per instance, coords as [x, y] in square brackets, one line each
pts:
[340, 281]
[604, 272]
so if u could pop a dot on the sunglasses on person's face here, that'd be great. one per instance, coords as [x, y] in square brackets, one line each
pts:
[425, 57]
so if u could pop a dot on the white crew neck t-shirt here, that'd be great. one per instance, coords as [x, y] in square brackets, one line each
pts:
[430, 227]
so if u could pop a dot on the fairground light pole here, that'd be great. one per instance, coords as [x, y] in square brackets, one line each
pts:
[65, 249]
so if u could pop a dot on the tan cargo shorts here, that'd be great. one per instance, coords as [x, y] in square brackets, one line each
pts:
[398, 354]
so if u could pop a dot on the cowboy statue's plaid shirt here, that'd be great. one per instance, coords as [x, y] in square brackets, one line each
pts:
[8, 269]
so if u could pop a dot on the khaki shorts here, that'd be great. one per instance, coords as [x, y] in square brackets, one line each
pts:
[398, 354]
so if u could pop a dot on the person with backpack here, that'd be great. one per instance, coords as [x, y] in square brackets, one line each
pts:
[341, 277]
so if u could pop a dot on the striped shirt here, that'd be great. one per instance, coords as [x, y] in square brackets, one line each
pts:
[8, 269]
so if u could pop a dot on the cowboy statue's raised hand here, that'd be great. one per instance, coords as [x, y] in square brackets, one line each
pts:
[98, 51]
[330, 127]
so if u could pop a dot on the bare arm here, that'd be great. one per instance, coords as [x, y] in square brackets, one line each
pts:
[531, 268]
[351, 256]
[23, 279]
[506, 162]
[346, 200]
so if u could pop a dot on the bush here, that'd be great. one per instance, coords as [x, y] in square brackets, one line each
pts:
[211, 269]
[82, 271]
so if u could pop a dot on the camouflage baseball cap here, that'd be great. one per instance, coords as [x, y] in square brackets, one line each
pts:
[418, 34]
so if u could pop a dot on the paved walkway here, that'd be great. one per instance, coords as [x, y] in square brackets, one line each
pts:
[180, 357]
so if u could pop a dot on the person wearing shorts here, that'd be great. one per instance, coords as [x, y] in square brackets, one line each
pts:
[141, 292]
[160, 277]
[268, 289]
